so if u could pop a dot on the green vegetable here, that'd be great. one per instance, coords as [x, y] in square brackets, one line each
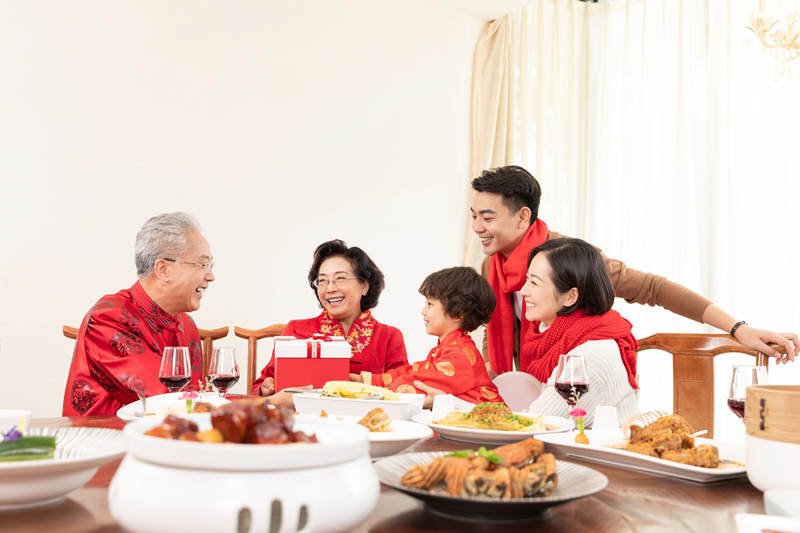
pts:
[490, 455]
[27, 448]
[461, 453]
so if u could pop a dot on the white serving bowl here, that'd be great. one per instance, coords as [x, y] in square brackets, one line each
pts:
[772, 464]
[79, 453]
[403, 409]
[403, 434]
[170, 485]
[12, 417]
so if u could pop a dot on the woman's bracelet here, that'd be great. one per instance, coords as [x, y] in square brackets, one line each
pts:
[736, 326]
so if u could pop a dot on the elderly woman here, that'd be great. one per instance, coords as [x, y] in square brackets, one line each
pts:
[347, 285]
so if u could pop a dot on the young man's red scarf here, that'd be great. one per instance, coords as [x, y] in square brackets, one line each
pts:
[540, 351]
[506, 276]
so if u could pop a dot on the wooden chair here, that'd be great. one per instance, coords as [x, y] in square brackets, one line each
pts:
[70, 332]
[693, 371]
[253, 336]
[208, 336]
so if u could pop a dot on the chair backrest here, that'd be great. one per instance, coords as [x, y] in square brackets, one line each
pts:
[253, 336]
[70, 332]
[208, 336]
[693, 371]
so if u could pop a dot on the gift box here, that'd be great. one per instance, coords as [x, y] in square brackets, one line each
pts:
[312, 361]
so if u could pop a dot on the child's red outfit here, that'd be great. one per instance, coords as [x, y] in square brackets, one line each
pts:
[454, 366]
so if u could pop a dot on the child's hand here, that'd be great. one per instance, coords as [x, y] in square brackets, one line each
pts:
[430, 393]
[356, 378]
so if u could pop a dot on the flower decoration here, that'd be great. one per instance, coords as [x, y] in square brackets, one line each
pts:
[190, 397]
[577, 413]
[12, 434]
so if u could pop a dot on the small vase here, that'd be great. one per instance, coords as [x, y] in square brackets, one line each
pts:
[581, 438]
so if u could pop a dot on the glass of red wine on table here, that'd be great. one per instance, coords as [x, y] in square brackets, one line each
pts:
[571, 379]
[176, 369]
[223, 370]
[744, 376]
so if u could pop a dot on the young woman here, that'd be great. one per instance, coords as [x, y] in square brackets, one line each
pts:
[568, 297]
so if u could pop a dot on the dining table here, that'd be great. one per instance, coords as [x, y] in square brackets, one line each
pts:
[632, 501]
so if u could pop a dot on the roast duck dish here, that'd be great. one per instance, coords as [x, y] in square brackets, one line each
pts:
[670, 437]
[245, 422]
[518, 470]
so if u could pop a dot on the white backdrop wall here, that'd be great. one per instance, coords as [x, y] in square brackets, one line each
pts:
[280, 125]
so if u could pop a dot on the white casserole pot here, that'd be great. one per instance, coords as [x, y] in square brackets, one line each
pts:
[171, 485]
[772, 423]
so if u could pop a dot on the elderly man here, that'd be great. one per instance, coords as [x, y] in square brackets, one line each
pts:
[119, 346]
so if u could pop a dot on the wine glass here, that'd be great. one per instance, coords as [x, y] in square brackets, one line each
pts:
[744, 376]
[176, 370]
[223, 370]
[571, 382]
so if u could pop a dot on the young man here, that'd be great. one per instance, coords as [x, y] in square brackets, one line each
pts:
[120, 342]
[504, 213]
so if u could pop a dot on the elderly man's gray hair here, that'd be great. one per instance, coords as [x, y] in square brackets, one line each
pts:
[162, 236]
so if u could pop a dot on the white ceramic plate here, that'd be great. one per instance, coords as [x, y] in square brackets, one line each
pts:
[759, 523]
[490, 436]
[403, 434]
[157, 404]
[574, 481]
[606, 452]
[312, 403]
[337, 443]
[79, 453]
[782, 502]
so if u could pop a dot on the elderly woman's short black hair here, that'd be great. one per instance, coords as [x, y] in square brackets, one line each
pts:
[576, 263]
[363, 268]
[464, 294]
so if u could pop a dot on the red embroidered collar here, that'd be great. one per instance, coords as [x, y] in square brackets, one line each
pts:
[360, 333]
[156, 317]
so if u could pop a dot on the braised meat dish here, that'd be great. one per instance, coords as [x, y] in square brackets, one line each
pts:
[670, 438]
[518, 470]
[250, 422]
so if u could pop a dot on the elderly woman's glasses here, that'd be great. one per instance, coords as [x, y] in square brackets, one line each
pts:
[322, 283]
[205, 266]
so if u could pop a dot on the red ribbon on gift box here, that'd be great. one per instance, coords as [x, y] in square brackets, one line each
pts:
[313, 349]
[316, 337]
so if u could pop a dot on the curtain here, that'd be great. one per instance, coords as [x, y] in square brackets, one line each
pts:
[660, 131]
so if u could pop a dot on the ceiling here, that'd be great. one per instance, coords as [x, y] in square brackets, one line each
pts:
[485, 9]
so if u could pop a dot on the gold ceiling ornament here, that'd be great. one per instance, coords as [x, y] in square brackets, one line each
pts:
[778, 33]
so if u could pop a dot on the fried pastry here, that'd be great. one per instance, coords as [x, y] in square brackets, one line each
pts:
[377, 421]
[518, 470]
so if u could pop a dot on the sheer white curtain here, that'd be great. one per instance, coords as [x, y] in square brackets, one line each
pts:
[660, 132]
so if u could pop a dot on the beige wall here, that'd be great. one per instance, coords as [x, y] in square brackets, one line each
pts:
[278, 125]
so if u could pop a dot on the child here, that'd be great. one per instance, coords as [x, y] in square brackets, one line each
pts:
[568, 299]
[457, 300]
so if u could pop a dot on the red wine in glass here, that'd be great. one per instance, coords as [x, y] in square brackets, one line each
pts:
[175, 383]
[737, 406]
[744, 376]
[176, 369]
[565, 390]
[224, 382]
[223, 369]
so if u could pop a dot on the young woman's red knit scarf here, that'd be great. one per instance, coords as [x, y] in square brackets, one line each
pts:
[506, 276]
[540, 351]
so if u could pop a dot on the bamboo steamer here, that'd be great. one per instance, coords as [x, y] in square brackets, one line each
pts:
[772, 423]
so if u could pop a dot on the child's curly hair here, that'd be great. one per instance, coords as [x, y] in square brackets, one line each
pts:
[464, 295]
